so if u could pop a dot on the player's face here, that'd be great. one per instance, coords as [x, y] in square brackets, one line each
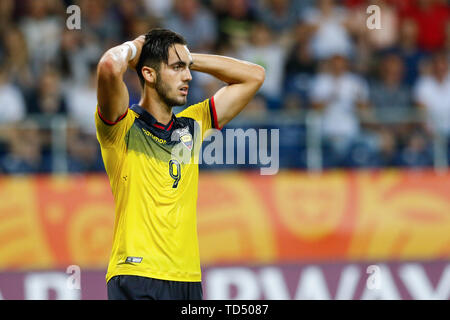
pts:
[172, 83]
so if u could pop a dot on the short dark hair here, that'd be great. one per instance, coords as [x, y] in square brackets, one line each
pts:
[156, 49]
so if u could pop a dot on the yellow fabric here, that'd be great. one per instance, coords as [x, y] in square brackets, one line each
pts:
[155, 229]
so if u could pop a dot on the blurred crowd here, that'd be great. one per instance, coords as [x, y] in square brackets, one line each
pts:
[382, 96]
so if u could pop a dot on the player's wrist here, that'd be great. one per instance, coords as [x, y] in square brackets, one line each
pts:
[132, 48]
[135, 47]
[196, 62]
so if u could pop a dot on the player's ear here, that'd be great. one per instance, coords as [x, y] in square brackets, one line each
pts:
[149, 74]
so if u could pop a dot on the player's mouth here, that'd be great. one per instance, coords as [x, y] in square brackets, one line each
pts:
[184, 90]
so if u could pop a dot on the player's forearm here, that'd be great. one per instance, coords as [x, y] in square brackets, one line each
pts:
[228, 69]
[112, 93]
[115, 61]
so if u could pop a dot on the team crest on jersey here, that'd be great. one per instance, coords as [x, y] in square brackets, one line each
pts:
[185, 137]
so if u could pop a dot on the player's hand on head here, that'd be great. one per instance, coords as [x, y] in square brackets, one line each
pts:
[139, 43]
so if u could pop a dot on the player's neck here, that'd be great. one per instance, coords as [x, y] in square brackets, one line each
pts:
[157, 108]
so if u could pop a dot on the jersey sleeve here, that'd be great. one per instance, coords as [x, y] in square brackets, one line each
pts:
[111, 134]
[204, 113]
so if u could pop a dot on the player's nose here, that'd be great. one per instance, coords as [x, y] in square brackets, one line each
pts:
[187, 76]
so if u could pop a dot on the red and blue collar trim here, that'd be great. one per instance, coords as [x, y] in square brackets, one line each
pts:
[150, 120]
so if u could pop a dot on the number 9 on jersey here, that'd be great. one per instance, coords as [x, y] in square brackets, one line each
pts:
[175, 172]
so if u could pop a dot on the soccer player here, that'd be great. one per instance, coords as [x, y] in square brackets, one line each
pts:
[155, 247]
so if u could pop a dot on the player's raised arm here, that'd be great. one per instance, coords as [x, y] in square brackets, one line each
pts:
[112, 93]
[243, 79]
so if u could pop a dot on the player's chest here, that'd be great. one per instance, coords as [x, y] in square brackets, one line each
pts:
[160, 144]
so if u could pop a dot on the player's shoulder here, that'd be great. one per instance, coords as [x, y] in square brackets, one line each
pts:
[194, 108]
[196, 111]
[128, 115]
[110, 133]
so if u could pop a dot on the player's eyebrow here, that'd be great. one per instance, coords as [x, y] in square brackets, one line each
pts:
[180, 61]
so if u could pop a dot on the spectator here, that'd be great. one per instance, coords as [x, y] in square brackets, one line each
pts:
[6, 14]
[235, 19]
[16, 57]
[42, 33]
[409, 51]
[342, 99]
[391, 100]
[83, 152]
[263, 50]
[158, 8]
[75, 55]
[388, 95]
[328, 25]
[432, 95]
[47, 98]
[376, 39]
[126, 12]
[197, 25]
[447, 41]
[417, 152]
[25, 156]
[256, 108]
[99, 24]
[11, 100]
[396, 59]
[388, 153]
[140, 25]
[81, 102]
[299, 68]
[280, 16]
[432, 17]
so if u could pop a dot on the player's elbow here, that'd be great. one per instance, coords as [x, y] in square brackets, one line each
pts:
[259, 74]
[108, 68]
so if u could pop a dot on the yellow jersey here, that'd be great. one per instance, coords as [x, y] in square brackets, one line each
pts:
[153, 173]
